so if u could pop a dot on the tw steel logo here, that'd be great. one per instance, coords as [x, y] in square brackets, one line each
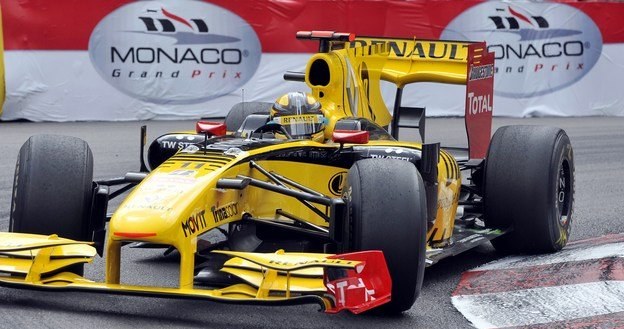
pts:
[166, 24]
[512, 22]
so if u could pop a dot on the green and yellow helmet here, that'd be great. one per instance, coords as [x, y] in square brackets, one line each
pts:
[300, 115]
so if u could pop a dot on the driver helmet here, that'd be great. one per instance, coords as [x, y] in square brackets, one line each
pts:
[300, 115]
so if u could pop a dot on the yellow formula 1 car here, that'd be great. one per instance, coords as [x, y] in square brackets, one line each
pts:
[314, 197]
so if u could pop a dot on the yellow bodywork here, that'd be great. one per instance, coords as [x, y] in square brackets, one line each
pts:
[175, 204]
[352, 89]
[34, 255]
[179, 201]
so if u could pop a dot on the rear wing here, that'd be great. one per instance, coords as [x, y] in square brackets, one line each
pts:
[453, 62]
[346, 77]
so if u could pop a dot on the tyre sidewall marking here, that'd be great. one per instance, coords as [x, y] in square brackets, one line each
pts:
[560, 232]
[14, 196]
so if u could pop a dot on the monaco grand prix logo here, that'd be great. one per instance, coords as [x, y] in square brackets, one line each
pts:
[512, 22]
[178, 52]
[539, 47]
[167, 24]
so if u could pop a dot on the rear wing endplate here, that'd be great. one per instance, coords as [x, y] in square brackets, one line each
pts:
[479, 99]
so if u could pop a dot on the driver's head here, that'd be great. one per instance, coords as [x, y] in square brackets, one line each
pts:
[300, 115]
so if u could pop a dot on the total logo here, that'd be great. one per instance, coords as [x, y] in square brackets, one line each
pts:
[479, 103]
[174, 52]
[539, 47]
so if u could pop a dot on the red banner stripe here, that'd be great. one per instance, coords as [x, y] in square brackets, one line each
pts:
[47, 25]
[607, 16]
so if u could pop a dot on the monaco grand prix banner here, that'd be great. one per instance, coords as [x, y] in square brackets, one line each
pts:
[126, 60]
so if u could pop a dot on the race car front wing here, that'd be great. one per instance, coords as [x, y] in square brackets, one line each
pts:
[355, 281]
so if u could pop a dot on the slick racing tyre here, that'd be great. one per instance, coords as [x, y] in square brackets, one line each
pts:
[52, 189]
[387, 212]
[529, 188]
[234, 119]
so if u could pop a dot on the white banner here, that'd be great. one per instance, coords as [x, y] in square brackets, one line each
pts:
[56, 91]
[138, 60]
[66, 87]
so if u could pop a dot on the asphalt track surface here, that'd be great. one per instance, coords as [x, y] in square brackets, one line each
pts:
[599, 156]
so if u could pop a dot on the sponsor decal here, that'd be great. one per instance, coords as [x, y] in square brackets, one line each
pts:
[390, 154]
[14, 195]
[234, 151]
[293, 119]
[383, 156]
[183, 172]
[176, 145]
[225, 212]
[178, 142]
[169, 181]
[445, 202]
[479, 103]
[10, 244]
[341, 288]
[311, 262]
[304, 155]
[399, 153]
[191, 149]
[166, 186]
[180, 52]
[336, 183]
[194, 223]
[150, 206]
[539, 47]
[414, 48]
[481, 72]
[348, 196]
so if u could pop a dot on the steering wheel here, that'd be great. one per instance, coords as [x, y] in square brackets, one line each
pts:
[272, 127]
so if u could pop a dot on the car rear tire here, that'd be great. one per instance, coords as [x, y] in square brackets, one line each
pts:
[529, 188]
[52, 189]
[234, 119]
[387, 212]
